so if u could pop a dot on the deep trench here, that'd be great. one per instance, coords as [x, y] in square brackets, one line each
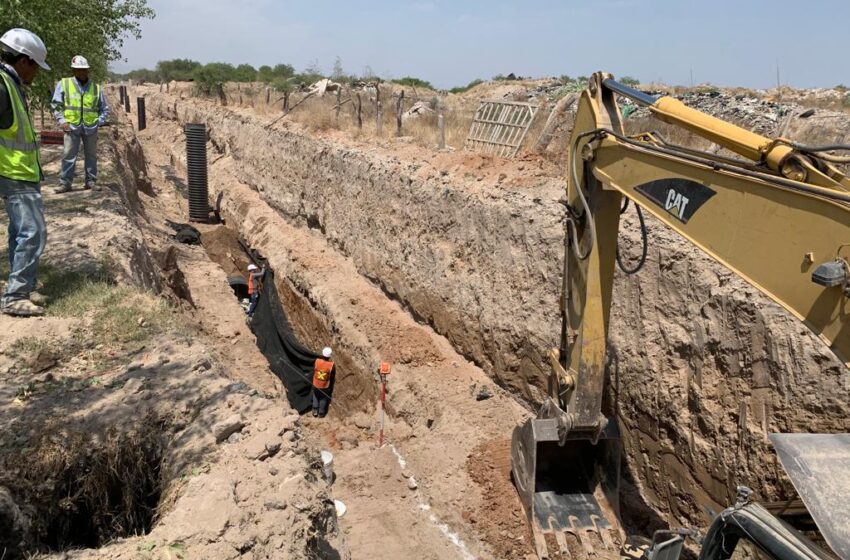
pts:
[81, 494]
[638, 516]
[224, 247]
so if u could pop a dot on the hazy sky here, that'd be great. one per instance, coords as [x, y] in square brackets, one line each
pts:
[449, 43]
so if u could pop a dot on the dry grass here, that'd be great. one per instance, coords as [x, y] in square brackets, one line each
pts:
[86, 492]
[319, 114]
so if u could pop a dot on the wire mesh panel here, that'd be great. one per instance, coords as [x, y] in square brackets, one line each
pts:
[499, 128]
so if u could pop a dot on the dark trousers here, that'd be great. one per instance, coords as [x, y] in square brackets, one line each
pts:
[321, 401]
[255, 297]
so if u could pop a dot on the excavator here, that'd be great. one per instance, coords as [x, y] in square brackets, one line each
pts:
[775, 212]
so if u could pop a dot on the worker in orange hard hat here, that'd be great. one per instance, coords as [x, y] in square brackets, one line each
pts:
[323, 374]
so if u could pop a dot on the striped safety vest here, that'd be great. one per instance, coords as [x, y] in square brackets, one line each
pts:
[80, 108]
[18, 145]
[322, 374]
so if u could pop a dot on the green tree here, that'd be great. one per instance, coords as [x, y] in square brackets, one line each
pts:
[283, 71]
[95, 29]
[142, 75]
[265, 74]
[179, 69]
[629, 81]
[245, 73]
[210, 78]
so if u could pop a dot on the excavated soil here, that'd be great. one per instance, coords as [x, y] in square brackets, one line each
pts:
[469, 248]
[434, 423]
[126, 432]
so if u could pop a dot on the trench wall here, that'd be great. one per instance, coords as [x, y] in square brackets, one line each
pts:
[702, 365]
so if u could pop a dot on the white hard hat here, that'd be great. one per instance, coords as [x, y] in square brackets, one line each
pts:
[26, 43]
[80, 62]
[326, 352]
[252, 267]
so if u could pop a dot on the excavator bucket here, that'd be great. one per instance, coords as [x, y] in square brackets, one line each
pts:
[569, 491]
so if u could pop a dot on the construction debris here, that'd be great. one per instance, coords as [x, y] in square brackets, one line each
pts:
[419, 109]
[324, 86]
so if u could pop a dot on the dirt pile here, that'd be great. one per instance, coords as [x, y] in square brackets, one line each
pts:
[703, 366]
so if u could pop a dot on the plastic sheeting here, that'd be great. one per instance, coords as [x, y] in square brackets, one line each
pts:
[288, 358]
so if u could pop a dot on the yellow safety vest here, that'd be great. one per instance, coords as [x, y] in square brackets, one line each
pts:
[18, 146]
[81, 108]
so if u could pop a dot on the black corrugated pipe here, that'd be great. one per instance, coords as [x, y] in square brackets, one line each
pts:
[196, 165]
[126, 101]
[120, 95]
[140, 110]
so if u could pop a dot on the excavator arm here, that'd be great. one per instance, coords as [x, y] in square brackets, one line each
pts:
[779, 218]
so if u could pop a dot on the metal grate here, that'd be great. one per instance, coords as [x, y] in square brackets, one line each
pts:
[499, 128]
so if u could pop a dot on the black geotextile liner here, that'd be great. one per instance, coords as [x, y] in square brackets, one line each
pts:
[288, 359]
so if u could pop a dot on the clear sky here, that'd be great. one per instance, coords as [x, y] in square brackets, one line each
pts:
[449, 43]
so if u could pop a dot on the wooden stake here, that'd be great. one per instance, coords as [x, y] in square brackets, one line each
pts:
[441, 131]
[359, 111]
[379, 123]
[555, 117]
[399, 106]
[338, 102]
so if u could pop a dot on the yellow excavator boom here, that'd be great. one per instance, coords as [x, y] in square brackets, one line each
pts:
[779, 218]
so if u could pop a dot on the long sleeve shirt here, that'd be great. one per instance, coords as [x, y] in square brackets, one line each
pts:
[59, 106]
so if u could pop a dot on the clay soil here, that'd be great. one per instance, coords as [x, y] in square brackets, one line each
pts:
[435, 427]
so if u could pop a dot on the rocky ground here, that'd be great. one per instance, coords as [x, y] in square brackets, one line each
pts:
[125, 432]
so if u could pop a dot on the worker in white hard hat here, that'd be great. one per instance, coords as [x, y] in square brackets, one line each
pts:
[255, 286]
[323, 377]
[22, 54]
[80, 109]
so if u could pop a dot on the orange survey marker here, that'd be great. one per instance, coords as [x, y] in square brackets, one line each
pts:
[383, 371]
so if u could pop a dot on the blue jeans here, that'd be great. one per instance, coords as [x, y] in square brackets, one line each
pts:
[27, 237]
[321, 401]
[73, 140]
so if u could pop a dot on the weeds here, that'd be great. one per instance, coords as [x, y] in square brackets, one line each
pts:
[27, 345]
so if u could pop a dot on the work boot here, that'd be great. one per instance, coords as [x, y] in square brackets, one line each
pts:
[63, 188]
[22, 308]
[39, 299]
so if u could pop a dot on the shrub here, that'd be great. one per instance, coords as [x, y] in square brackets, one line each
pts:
[210, 77]
[413, 82]
[467, 87]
